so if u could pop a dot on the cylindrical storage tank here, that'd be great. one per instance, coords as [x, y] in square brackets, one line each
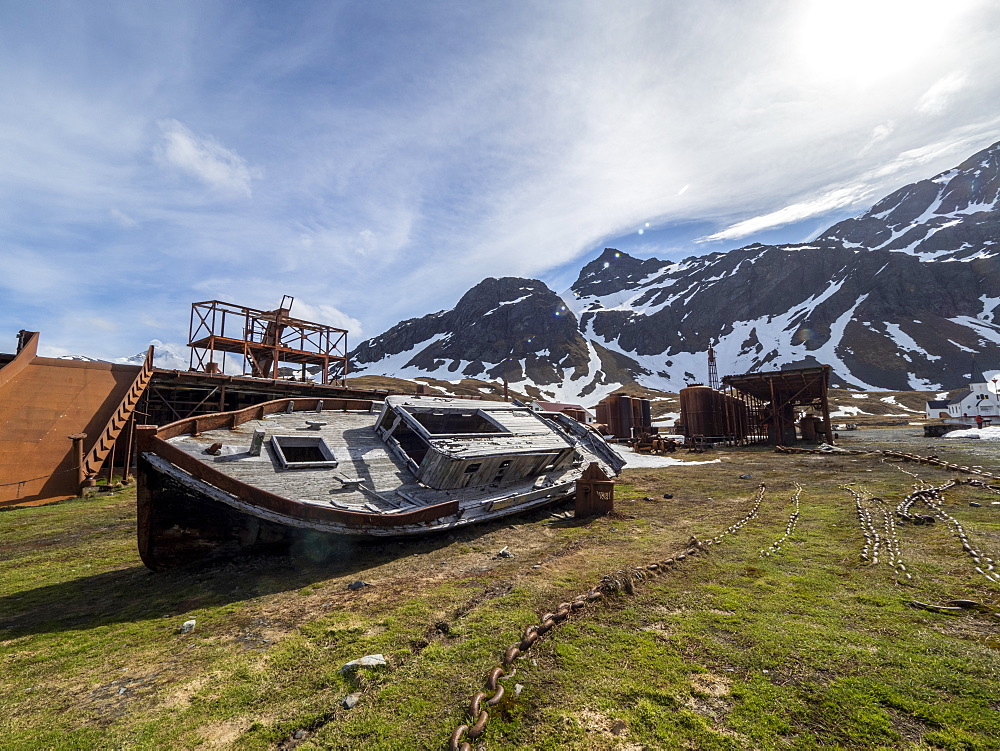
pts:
[612, 415]
[625, 416]
[647, 413]
[742, 417]
[737, 417]
[602, 413]
[637, 415]
[808, 425]
[719, 423]
[696, 410]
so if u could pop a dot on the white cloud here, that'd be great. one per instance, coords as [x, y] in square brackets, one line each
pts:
[28, 274]
[204, 158]
[123, 219]
[834, 199]
[871, 184]
[936, 98]
[881, 132]
[330, 316]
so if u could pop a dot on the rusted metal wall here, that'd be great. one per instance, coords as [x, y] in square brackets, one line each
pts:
[711, 413]
[42, 402]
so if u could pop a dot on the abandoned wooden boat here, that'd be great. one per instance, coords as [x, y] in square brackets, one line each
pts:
[310, 475]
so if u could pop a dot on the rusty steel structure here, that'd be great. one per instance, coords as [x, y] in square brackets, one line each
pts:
[759, 408]
[64, 422]
[713, 369]
[263, 339]
[178, 394]
[773, 398]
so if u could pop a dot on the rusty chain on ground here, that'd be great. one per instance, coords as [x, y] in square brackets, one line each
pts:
[888, 540]
[933, 498]
[619, 581]
[624, 580]
[939, 463]
[789, 528]
[933, 460]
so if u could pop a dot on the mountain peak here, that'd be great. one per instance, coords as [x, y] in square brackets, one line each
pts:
[612, 271]
[952, 216]
[895, 298]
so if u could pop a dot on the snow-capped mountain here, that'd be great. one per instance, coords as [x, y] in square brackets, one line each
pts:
[953, 216]
[80, 358]
[899, 297]
[513, 328]
[165, 355]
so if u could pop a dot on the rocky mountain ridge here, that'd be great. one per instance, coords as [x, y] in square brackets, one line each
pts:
[900, 297]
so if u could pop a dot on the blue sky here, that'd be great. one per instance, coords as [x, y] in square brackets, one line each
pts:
[377, 159]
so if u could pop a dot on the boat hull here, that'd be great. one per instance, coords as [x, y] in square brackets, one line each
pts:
[204, 494]
[184, 521]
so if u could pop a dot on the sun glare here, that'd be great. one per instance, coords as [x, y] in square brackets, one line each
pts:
[859, 41]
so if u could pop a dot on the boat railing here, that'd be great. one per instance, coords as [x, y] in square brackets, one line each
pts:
[155, 441]
[232, 420]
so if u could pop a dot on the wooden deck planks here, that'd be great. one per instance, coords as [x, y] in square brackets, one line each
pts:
[388, 486]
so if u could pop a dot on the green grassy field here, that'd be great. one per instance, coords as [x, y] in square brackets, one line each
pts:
[809, 647]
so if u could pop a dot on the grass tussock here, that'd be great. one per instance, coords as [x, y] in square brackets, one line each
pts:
[810, 647]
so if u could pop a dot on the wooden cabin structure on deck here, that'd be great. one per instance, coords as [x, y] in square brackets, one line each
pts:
[459, 443]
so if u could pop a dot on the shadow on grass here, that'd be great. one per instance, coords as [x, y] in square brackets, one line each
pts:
[136, 593]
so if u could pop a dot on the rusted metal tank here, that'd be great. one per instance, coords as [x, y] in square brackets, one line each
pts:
[737, 416]
[604, 417]
[636, 414]
[625, 416]
[625, 420]
[709, 412]
[808, 425]
[698, 410]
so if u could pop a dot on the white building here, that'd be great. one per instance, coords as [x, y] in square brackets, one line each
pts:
[979, 400]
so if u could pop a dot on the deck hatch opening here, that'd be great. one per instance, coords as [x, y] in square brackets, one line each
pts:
[455, 423]
[302, 452]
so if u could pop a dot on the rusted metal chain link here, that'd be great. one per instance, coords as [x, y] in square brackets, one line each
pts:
[789, 528]
[888, 541]
[746, 519]
[934, 499]
[619, 581]
[939, 463]
[933, 460]
[835, 452]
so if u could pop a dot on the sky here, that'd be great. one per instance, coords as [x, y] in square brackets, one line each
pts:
[376, 159]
